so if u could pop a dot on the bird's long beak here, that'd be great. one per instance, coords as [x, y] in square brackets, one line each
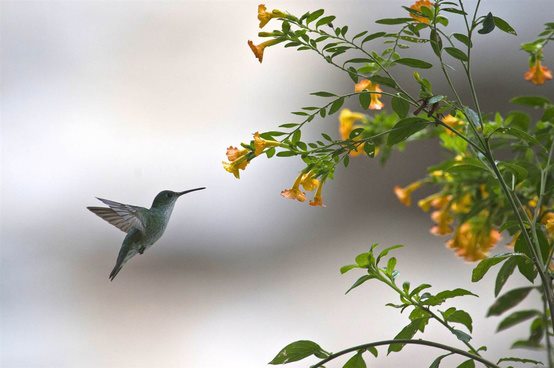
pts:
[190, 190]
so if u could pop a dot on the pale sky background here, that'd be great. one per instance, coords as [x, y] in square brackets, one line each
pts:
[124, 99]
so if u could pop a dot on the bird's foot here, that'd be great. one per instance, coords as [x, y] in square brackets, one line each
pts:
[142, 249]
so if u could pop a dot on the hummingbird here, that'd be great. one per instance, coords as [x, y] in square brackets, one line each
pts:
[143, 226]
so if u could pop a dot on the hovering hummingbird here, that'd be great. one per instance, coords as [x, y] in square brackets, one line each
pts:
[143, 226]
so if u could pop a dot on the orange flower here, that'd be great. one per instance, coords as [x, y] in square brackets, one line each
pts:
[233, 153]
[258, 50]
[318, 200]
[264, 16]
[295, 192]
[417, 7]
[347, 119]
[473, 241]
[425, 203]
[309, 182]
[404, 195]
[538, 74]
[237, 161]
[463, 204]
[548, 221]
[452, 122]
[373, 88]
[442, 216]
[261, 144]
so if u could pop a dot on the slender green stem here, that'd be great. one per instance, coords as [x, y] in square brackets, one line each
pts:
[406, 341]
[416, 303]
[547, 333]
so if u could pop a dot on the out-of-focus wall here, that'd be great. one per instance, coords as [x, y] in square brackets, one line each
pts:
[123, 99]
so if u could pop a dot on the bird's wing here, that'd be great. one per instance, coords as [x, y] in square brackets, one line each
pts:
[123, 216]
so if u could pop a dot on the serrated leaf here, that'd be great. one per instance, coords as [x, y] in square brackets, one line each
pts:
[297, 350]
[504, 26]
[414, 63]
[406, 128]
[456, 53]
[484, 266]
[508, 300]
[517, 317]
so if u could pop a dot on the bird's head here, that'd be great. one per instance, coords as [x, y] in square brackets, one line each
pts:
[168, 198]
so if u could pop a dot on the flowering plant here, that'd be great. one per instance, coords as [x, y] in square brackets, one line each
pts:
[478, 196]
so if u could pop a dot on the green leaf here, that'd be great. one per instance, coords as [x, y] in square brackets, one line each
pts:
[520, 134]
[386, 251]
[405, 128]
[323, 94]
[313, 16]
[488, 24]
[270, 152]
[373, 350]
[463, 39]
[336, 106]
[472, 116]
[365, 99]
[296, 136]
[460, 316]
[505, 272]
[297, 350]
[418, 289]
[519, 360]
[286, 154]
[373, 36]
[447, 294]
[519, 172]
[390, 265]
[436, 363]
[357, 361]
[325, 20]
[436, 42]
[504, 26]
[538, 102]
[414, 63]
[517, 317]
[456, 53]
[524, 264]
[407, 333]
[470, 363]
[392, 21]
[400, 106]
[461, 335]
[484, 266]
[359, 282]
[345, 269]
[508, 300]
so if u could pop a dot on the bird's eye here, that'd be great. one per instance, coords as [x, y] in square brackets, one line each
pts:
[168, 195]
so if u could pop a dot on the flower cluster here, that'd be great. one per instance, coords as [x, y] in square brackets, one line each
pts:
[309, 182]
[239, 158]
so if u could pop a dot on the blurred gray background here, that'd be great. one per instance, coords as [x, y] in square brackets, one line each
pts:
[123, 99]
